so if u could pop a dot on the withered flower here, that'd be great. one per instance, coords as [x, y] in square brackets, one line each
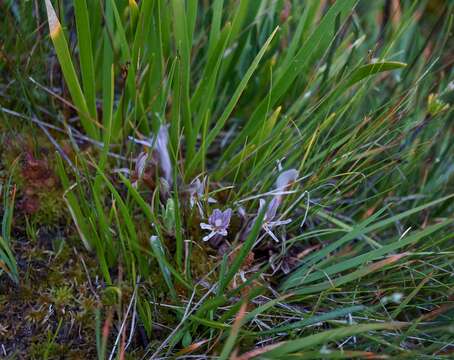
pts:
[160, 145]
[197, 194]
[139, 168]
[283, 182]
[268, 223]
[162, 149]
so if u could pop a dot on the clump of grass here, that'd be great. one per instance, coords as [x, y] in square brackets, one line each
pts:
[8, 263]
[265, 178]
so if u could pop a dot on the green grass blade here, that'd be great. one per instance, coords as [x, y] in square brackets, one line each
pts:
[86, 55]
[233, 101]
[69, 72]
[358, 230]
[246, 247]
[74, 207]
[182, 20]
[359, 260]
[7, 259]
[325, 337]
[314, 46]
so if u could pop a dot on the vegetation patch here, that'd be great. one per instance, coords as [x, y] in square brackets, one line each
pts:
[226, 179]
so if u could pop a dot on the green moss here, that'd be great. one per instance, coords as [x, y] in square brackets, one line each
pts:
[51, 208]
[202, 263]
[62, 296]
[56, 290]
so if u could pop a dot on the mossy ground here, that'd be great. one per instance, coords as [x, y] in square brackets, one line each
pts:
[51, 311]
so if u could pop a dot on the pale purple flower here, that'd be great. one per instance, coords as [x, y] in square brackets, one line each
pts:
[160, 144]
[197, 194]
[163, 153]
[139, 169]
[284, 180]
[268, 220]
[218, 222]
[242, 212]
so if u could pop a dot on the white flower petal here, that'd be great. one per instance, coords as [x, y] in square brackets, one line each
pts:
[270, 233]
[199, 206]
[146, 143]
[122, 170]
[209, 236]
[205, 226]
[279, 222]
[222, 232]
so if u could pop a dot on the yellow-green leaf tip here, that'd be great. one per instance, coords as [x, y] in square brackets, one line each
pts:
[54, 23]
